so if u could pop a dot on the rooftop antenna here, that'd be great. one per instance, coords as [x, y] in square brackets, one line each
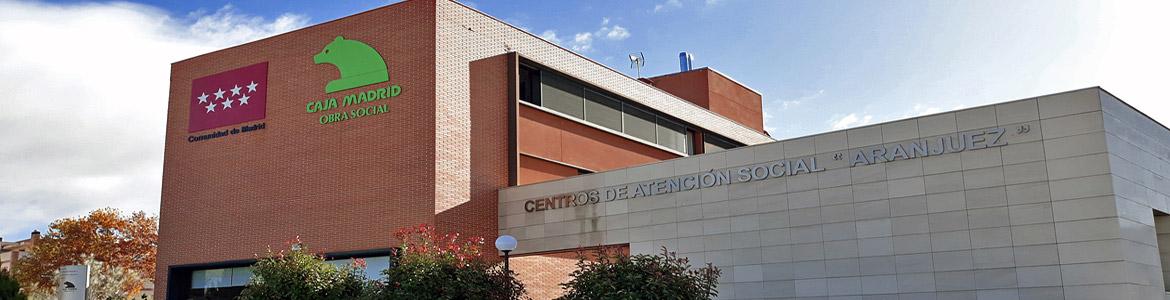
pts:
[637, 61]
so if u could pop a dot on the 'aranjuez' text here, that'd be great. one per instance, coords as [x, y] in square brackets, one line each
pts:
[972, 140]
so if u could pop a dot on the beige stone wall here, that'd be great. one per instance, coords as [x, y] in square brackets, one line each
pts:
[1139, 162]
[1038, 218]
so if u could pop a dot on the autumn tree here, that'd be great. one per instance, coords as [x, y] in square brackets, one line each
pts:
[105, 235]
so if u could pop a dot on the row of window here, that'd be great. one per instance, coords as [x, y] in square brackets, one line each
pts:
[564, 95]
[234, 277]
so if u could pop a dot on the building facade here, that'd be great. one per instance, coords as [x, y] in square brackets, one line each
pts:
[10, 252]
[417, 112]
[1056, 197]
[428, 111]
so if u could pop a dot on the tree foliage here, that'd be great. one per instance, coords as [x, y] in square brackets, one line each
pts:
[9, 287]
[612, 274]
[298, 274]
[108, 282]
[105, 235]
[430, 265]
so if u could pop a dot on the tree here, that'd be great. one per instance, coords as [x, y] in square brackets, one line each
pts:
[9, 287]
[105, 235]
[107, 281]
[613, 274]
[428, 265]
[299, 274]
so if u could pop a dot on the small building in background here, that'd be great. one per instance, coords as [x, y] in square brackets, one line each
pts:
[10, 252]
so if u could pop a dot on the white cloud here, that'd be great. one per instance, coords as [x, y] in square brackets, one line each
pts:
[920, 109]
[83, 101]
[713, 2]
[551, 36]
[582, 42]
[616, 33]
[851, 120]
[667, 5]
[767, 121]
[794, 102]
[229, 27]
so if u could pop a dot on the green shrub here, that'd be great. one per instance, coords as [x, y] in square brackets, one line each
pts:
[433, 266]
[298, 274]
[613, 274]
[9, 287]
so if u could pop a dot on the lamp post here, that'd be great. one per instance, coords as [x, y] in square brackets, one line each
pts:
[506, 243]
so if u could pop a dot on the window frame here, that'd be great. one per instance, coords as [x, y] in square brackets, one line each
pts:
[621, 109]
[690, 132]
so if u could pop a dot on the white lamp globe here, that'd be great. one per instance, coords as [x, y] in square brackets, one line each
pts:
[506, 243]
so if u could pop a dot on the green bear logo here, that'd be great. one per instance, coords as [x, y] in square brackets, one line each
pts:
[359, 64]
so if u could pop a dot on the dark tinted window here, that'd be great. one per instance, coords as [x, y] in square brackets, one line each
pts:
[715, 143]
[640, 123]
[562, 95]
[529, 85]
[603, 110]
[672, 135]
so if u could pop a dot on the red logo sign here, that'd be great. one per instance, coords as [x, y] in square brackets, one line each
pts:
[228, 98]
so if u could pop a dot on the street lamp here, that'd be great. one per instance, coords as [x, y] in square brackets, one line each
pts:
[506, 243]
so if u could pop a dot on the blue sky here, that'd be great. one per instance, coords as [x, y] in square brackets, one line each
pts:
[821, 65]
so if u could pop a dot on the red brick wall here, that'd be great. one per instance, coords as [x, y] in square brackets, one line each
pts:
[716, 93]
[543, 273]
[489, 150]
[340, 187]
[735, 102]
[533, 170]
[691, 86]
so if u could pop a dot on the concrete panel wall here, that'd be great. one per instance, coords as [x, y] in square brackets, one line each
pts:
[1139, 150]
[1036, 218]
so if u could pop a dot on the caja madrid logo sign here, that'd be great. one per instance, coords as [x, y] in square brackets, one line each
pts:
[359, 65]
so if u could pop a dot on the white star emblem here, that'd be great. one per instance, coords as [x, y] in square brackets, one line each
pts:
[210, 107]
[219, 94]
[236, 90]
[202, 98]
[252, 86]
[243, 100]
[227, 103]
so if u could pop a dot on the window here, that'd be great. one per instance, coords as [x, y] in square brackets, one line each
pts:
[672, 135]
[603, 110]
[714, 143]
[241, 276]
[585, 103]
[215, 278]
[374, 265]
[529, 85]
[639, 123]
[562, 95]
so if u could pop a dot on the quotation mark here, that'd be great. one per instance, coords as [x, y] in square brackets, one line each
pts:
[1024, 129]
